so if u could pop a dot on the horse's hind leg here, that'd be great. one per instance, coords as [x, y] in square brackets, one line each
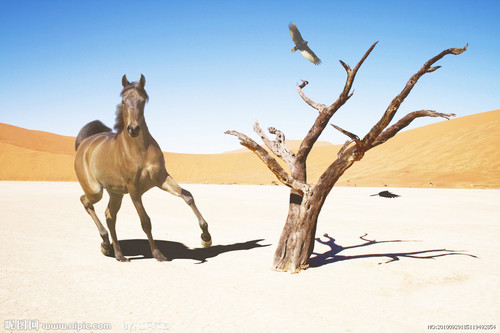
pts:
[115, 202]
[88, 202]
[206, 238]
[171, 186]
[146, 226]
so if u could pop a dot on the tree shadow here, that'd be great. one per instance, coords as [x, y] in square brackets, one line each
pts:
[136, 249]
[331, 256]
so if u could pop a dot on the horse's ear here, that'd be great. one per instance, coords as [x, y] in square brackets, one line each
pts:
[125, 81]
[142, 81]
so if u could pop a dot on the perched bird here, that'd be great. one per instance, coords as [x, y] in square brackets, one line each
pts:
[301, 45]
[386, 194]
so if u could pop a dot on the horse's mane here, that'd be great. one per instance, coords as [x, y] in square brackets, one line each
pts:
[119, 123]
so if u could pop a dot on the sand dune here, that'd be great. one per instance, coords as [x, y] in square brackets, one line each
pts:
[35, 155]
[37, 140]
[462, 152]
[459, 153]
[18, 163]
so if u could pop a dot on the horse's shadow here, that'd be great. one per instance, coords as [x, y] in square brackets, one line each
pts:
[332, 255]
[135, 249]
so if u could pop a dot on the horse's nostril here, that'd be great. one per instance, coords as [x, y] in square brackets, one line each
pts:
[133, 131]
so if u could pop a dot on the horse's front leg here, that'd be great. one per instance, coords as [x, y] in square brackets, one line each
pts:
[146, 226]
[88, 201]
[115, 202]
[171, 186]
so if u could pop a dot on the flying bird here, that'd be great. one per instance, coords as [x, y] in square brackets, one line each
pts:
[386, 194]
[301, 45]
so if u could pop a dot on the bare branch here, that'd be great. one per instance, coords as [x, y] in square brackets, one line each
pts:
[353, 137]
[349, 154]
[351, 74]
[279, 134]
[324, 117]
[396, 102]
[344, 147]
[405, 121]
[432, 69]
[278, 146]
[270, 162]
[306, 99]
[263, 136]
[365, 56]
[346, 67]
[350, 95]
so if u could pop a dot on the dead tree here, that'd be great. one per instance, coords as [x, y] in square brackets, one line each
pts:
[306, 199]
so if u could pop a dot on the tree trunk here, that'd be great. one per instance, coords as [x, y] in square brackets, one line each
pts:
[296, 243]
[297, 239]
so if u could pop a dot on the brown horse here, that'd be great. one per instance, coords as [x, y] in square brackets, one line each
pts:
[128, 161]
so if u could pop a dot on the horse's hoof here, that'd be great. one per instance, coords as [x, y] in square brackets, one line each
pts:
[206, 240]
[121, 258]
[159, 256]
[105, 249]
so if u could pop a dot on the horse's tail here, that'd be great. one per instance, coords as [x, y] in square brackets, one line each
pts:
[90, 129]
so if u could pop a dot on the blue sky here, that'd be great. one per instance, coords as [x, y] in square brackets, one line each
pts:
[211, 66]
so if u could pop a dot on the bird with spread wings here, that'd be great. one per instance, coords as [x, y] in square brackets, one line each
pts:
[386, 194]
[301, 44]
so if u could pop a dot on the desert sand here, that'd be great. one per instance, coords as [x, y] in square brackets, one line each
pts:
[458, 153]
[429, 257]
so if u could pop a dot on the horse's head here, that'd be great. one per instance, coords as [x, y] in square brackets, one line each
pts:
[134, 98]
